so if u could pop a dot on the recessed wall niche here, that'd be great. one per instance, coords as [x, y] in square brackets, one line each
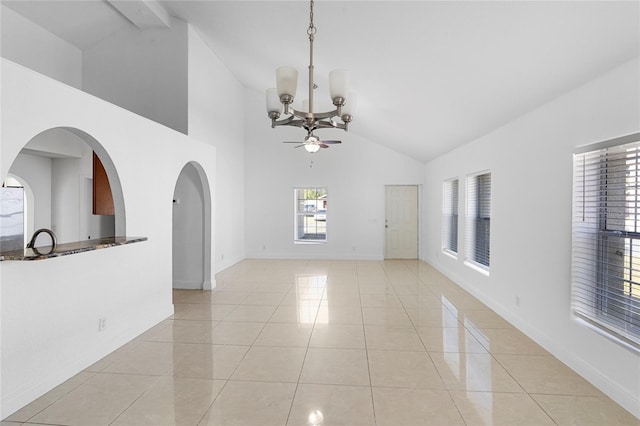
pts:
[57, 165]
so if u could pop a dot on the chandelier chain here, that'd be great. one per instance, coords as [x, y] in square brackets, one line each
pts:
[311, 31]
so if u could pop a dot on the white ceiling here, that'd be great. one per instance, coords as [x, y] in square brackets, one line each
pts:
[430, 76]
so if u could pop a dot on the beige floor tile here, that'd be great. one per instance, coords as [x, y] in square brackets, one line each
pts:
[450, 339]
[201, 311]
[206, 361]
[380, 301]
[403, 369]
[185, 331]
[546, 375]
[294, 314]
[374, 286]
[172, 401]
[337, 336]
[335, 405]
[250, 313]
[434, 317]
[343, 299]
[474, 372]
[303, 298]
[412, 407]
[386, 316]
[30, 410]
[499, 409]
[339, 315]
[507, 341]
[98, 401]
[251, 403]
[585, 410]
[262, 298]
[285, 334]
[226, 298]
[392, 338]
[335, 367]
[271, 364]
[236, 333]
[150, 358]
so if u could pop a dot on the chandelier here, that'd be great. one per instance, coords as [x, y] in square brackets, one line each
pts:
[285, 92]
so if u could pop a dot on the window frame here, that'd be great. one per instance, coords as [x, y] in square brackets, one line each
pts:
[450, 217]
[475, 221]
[304, 213]
[606, 221]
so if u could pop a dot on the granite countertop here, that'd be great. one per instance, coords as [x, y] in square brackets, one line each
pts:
[45, 252]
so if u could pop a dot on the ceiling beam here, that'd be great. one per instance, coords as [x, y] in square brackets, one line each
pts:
[144, 14]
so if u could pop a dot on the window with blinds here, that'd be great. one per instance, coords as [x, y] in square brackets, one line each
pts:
[450, 216]
[478, 220]
[606, 238]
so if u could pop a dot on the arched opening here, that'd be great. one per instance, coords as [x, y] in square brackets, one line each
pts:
[56, 169]
[192, 229]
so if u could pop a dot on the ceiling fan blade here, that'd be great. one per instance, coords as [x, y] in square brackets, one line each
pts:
[299, 146]
[321, 145]
[330, 142]
[290, 141]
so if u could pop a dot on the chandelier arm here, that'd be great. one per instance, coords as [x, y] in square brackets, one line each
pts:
[330, 125]
[289, 121]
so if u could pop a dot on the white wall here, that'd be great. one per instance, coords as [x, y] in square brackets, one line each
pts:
[216, 116]
[36, 172]
[354, 173]
[30, 45]
[142, 71]
[49, 309]
[530, 161]
[188, 226]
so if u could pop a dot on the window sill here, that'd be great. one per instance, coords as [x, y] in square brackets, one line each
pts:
[306, 242]
[451, 254]
[484, 270]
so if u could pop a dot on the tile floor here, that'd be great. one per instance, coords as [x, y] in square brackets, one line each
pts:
[327, 342]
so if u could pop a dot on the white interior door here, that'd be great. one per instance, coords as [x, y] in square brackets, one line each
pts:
[401, 222]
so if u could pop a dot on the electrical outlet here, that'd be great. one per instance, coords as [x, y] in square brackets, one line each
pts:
[102, 324]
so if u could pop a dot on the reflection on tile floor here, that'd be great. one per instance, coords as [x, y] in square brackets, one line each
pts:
[327, 342]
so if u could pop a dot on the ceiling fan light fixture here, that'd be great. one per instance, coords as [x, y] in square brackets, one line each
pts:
[312, 147]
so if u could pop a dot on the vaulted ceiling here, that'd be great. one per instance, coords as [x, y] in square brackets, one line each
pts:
[430, 75]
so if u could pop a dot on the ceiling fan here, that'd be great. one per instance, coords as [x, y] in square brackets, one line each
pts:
[312, 143]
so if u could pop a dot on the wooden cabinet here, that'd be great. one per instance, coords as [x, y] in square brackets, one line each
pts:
[102, 197]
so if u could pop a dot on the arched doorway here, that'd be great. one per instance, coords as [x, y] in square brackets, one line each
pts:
[192, 229]
[55, 168]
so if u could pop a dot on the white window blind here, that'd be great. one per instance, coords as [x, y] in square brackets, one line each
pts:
[478, 219]
[450, 215]
[606, 240]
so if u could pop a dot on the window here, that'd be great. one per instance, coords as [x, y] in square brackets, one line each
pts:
[450, 216]
[310, 214]
[606, 238]
[478, 220]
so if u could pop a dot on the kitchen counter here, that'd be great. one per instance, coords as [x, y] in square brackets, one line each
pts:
[45, 252]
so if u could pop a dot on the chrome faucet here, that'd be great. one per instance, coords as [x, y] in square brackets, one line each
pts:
[32, 242]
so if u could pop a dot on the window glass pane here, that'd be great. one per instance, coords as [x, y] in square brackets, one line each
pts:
[311, 214]
[478, 219]
[450, 215]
